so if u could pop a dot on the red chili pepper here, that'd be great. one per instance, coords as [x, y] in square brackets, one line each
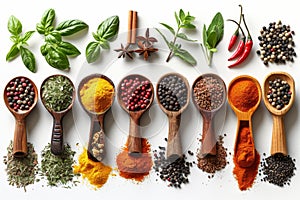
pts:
[247, 50]
[235, 36]
[241, 45]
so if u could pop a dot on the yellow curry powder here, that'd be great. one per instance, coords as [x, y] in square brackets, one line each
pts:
[96, 172]
[97, 95]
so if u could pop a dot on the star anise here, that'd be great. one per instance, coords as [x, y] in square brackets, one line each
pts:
[147, 41]
[145, 50]
[125, 51]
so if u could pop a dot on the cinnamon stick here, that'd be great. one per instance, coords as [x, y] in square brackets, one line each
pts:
[134, 27]
[130, 13]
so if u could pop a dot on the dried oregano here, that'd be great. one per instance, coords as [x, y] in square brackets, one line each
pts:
[21, 172]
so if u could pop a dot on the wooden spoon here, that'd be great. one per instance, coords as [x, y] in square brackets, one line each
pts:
[134, 137]
[20, 136]
[174, 147]
[97, 120]
[57, 130]
[244, 118]
[209, 141]
[278, 133]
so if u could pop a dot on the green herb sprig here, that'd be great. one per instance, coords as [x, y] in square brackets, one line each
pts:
[211, 36]
[106, 31]
[20, 41]
[184, 21]
[54, 49]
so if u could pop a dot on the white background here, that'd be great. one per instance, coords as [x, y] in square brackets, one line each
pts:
[76, 123]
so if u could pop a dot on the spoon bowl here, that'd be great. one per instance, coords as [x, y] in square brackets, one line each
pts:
[244, 115]
[215, 89]
[20, 135]
[96, 142]
[134, 141]
[57, 129]
[278, 133]
[174, 147]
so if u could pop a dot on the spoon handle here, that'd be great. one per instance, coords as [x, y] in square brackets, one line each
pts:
[57, 136]
[134, 137]
[174, 147]
[278, 136]
[208, 137]
[97, 139]
[20, 139]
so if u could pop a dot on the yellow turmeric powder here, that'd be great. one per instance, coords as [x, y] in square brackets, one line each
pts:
[96, 172]
[97, 95]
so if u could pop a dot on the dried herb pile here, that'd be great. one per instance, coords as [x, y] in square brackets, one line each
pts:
[21, 172]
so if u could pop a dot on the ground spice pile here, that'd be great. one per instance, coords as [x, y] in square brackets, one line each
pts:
[213, 163]
[137, 166]
[95, 172]
[278, 169]
[58, 169]
[21, 172]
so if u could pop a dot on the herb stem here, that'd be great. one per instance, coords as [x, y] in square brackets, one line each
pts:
[171, 49]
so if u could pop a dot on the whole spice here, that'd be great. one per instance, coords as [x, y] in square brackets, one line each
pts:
[135, 93]
[278, 169]
[125, 51]
[57, 93]
[97, 95]
[172, 92]
[135, 167]
[236, 33]
[244, 95]
[20, 94]
[58, 170]
[241, 45]
[279, 93]
[244, 154]
[20, 41]
[276, 43]
[247, 49]
[96, 173]
[21, 172]
[208, 93]
[132, 26]
[210, 163]
[97, 145]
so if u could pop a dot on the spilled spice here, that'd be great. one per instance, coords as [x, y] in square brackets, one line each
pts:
[213, 163]
[21, 172]
[96, 173]
[135, 167]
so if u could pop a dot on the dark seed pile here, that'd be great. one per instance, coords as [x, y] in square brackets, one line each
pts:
[208, 93]
[211, 164]
[278, 169]
[279, 93]
[276, 43]
[173, 171]
[172, 92]
[20, 94]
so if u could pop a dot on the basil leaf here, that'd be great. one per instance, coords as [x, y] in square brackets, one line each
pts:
[13, 52]
[46, 21]
[53, 37]
[28, 59]
[57, 59]
[169, 28]
[70, 27]
[14, 38]
[185, 56]
[40, 29]
[104, 44]
[108, 28]
[92, 52]
[184, 37]
[44, 49]
[26, 36]
[96, 37]
[14, 25]
[68, 49]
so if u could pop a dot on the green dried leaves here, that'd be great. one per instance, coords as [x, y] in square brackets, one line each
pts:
[55, 50]
[107, 30]
[184, 21]
[20, 41]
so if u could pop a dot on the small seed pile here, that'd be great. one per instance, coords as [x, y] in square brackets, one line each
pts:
[208, 93]
[136, 93]
[21, 172]
[173, 171]
[279, 93]
[211, 164]
[20, 94]
[97, 145]
[278, 169]
[172, 92]
[276, 43]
